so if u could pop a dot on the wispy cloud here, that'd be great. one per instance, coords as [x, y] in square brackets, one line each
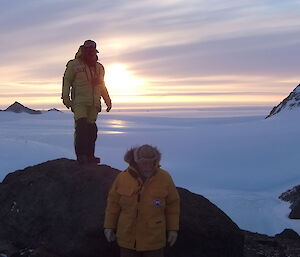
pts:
[158, 40]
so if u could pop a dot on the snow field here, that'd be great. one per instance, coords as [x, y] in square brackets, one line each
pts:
[242, 164]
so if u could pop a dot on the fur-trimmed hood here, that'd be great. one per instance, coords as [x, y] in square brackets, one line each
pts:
[136, 153]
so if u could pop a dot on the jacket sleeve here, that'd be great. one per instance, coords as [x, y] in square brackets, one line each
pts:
[104, 91]
[67, 80]
[172, 211]
[105, 95]
[113, 208]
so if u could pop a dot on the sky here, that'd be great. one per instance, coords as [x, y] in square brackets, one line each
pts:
[157, 54]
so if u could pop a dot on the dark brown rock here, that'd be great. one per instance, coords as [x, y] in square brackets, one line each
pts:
[58, 206]
[258, 245]
[7, 248]
[292, 196]
[288, 234]
[205, 229]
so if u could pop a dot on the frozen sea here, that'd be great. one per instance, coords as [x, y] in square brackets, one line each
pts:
[242, 164]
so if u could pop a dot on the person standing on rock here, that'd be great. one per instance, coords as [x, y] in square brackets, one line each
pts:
[83, 87]
[143, 206]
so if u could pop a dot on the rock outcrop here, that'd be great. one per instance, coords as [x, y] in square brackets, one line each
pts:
[285, 244]
[288, 234]
[292, 196]
[57, 208]
[18, 108]
[289, 103]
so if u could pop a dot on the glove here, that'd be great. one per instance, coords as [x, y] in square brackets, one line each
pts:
[109, 234]
[67, 102]
[108, 108]
[172, 237]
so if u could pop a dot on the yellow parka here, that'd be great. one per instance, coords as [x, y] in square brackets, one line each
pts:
[85, 83]
[142, 213]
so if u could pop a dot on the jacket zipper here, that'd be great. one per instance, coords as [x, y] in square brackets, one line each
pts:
[92, 79]
[90, 71]
[138, 200]
[137, 210]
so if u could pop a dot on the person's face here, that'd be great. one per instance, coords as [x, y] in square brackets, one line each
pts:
[146, 167]
[90, 51]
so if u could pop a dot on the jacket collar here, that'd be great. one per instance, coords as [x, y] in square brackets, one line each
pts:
[134, 172]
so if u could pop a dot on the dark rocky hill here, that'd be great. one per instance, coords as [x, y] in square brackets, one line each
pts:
[292, 101]
[18, 108]
[58, 207]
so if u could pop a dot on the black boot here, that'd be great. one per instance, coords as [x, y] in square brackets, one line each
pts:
[81, 140]
[92, 131]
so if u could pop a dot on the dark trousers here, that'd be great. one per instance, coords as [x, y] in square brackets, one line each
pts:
[124, 252]
[85, 137]
[85, 129]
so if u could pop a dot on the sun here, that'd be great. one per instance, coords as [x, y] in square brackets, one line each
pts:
[120, 81]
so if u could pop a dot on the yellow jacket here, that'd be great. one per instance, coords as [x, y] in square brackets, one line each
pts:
[85, 83]
[142, 213]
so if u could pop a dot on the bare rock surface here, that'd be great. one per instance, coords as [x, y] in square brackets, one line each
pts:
[292, 196]
[282, 245]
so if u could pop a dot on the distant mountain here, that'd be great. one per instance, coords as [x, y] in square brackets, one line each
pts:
[289, 103]
[17, 108]
[54, 110]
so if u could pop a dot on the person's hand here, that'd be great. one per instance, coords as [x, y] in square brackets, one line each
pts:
[67, 102]
[172, 237]
[108, 108]
[109, 234]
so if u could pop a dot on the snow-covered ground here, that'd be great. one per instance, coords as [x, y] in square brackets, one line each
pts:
[242, 164]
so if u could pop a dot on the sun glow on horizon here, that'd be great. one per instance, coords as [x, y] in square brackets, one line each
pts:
[120, 81]
[128, 89]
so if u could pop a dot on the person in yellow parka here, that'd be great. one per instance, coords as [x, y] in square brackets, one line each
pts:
[143, 206]
[83, 87]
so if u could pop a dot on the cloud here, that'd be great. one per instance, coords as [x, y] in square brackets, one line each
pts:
[275, 54]
[212, 94]
[156, 39]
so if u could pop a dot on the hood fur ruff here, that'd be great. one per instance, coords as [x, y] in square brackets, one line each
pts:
[132, 155]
